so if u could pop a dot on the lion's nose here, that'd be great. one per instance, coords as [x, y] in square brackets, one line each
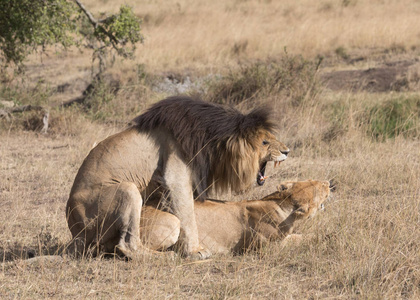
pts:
[285, 152]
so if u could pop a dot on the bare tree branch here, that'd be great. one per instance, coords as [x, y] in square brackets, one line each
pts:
[87, 13]
[114, 41]
[25, 108]
[7, 113]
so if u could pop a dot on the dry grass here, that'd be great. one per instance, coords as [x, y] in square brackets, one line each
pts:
[207, 35]
[364, 246]
[210, 36]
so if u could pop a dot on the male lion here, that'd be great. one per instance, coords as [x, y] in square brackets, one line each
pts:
[193, 145]
[238, 226]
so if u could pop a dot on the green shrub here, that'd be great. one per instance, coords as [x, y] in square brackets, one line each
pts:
[342, 52]
[394, 117]
[379, 118]
[98, 96]
[30, 26]
[27, 25]
[23, 94]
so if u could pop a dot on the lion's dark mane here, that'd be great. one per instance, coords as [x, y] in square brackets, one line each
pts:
[203, 131]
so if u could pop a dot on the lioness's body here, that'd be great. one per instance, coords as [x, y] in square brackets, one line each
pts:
[183, 143]
[237, 226]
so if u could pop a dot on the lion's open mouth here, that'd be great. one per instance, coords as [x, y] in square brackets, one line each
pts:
[261, 173]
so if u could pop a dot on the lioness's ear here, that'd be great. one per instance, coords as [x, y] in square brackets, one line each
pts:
[299, 210]
[284, 186]
[281, 187]
[333, 185]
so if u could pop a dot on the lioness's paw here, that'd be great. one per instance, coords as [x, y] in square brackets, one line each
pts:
[201, 254]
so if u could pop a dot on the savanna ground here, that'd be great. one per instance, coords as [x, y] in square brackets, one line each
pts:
[352, 117]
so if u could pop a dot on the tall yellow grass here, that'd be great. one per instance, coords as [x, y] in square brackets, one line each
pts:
[214, 34]
[210, 36]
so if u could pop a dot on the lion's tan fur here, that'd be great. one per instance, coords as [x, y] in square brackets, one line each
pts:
[238, 226]
[105, 203]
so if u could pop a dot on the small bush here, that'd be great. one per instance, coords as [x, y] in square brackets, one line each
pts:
[378, 118]
[23, 94]
[341, 52]
[97, 97]
[239, 85]
[292, 76]
[394, 117]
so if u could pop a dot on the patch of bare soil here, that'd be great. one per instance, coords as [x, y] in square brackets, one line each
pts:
[391, 76]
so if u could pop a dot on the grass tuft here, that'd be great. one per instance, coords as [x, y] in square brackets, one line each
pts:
[398, 116]
[292, 77]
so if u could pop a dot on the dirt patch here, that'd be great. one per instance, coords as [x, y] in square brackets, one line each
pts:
[393, 76]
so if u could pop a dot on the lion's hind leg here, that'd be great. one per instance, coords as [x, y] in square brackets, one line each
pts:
[121, 223]
[82, 227]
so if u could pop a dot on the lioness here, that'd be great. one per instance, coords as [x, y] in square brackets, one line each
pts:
[193, 145]
[238, 226]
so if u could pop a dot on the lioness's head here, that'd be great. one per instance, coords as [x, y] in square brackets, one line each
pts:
[304, 198]
[270, 149]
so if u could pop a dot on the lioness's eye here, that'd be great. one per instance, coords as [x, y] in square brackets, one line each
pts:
[265, 142]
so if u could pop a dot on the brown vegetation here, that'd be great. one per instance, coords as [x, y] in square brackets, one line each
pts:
[366, 242]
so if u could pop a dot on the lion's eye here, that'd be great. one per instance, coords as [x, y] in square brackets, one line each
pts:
[265, 142]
